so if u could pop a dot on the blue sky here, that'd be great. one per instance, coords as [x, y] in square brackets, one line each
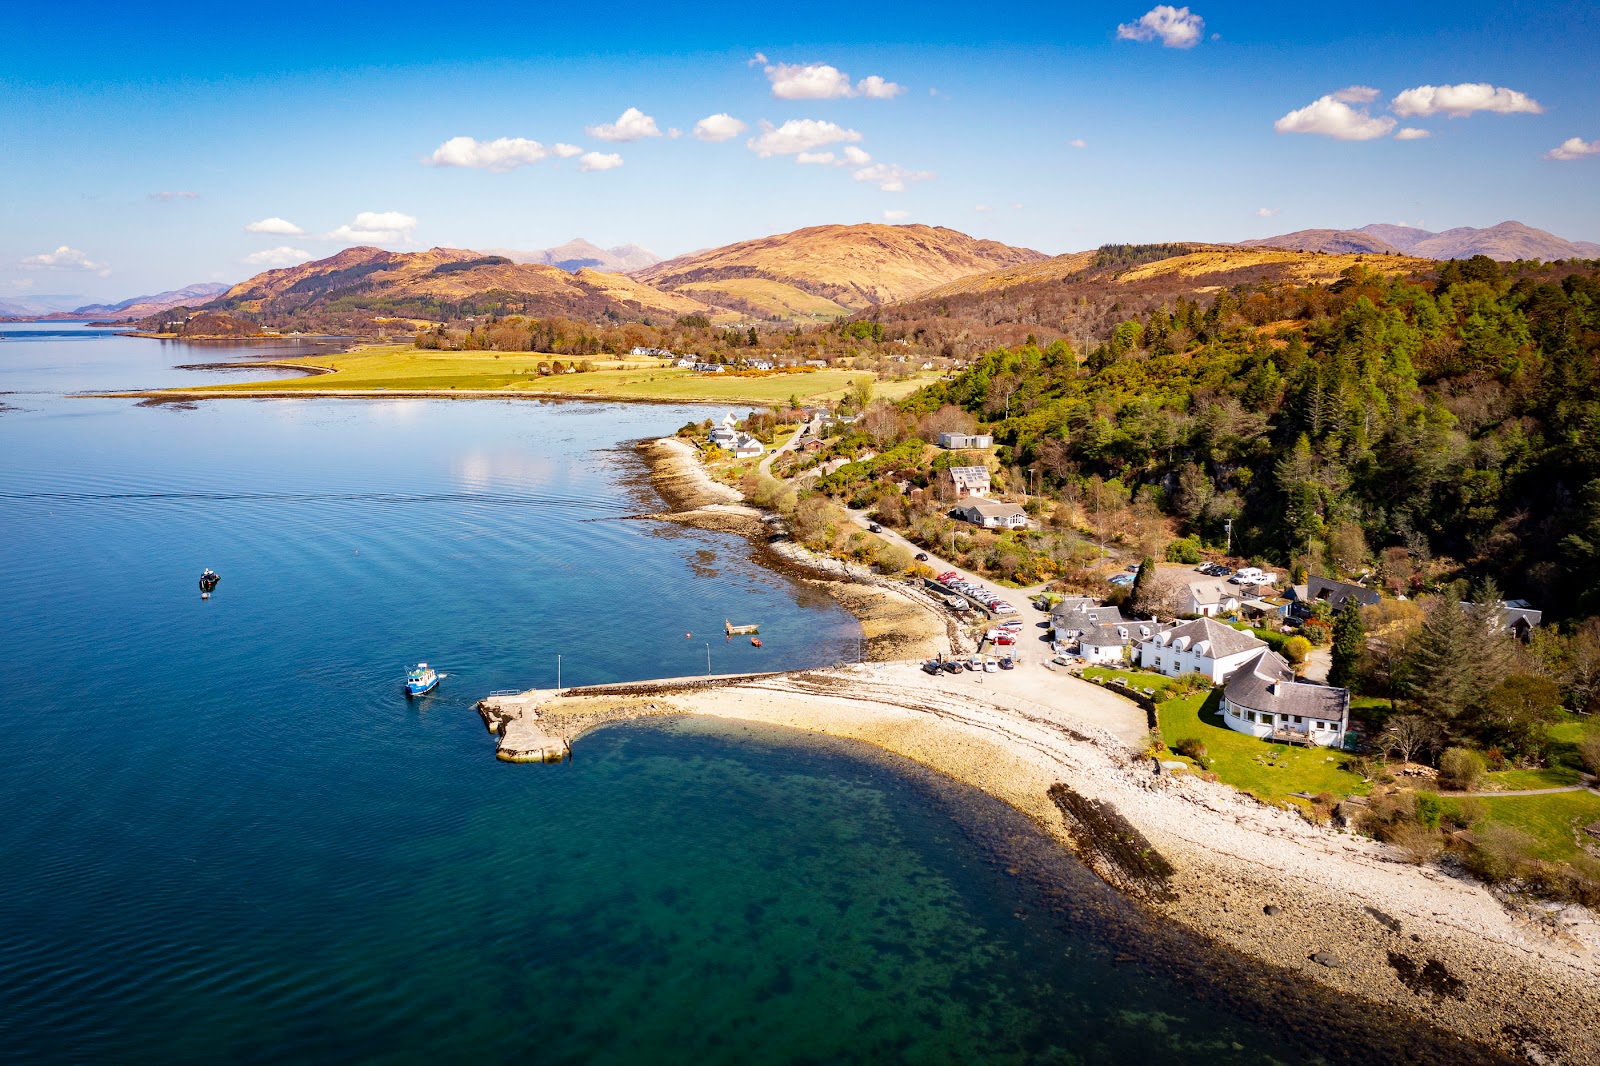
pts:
[137, 151]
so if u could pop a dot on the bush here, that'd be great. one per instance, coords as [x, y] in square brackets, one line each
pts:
[1193, 748]
[1463, 812]
[1429, 809]
[1295, 649]
[1416, 842]
[1500, 853]
[1589, 752]
[1460, 769]
[1186, 550]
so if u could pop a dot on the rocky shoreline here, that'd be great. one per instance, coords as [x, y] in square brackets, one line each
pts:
[1310, 907]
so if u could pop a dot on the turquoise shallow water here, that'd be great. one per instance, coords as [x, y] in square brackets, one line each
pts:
[228, 835]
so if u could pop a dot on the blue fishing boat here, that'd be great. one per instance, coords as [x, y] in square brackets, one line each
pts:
[422, 678]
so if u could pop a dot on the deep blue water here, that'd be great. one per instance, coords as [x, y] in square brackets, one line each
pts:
[228, 836]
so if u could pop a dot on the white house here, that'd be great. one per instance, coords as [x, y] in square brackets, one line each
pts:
[748, 448]
[993, 514]
[968, 480]
[965, 440]
[1264, 699]
[709, 368]
[1202, 645]
[1109, 643]
[1211, 598]
[659, 353]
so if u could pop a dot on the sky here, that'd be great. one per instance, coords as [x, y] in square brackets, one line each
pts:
[201, 143]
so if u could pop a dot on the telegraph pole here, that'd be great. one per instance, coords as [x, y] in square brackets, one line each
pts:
[1228, 525]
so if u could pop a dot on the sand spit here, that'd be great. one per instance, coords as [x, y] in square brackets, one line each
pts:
[1338, 910]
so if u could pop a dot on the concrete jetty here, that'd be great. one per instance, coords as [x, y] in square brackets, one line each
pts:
[525, 736]
[515, 719]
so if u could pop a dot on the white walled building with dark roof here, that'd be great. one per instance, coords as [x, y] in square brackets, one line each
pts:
[1264, 699]
[1202, 645]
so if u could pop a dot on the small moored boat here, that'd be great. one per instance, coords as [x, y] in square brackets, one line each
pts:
[738, 631]
[422, 678]
[755, 642]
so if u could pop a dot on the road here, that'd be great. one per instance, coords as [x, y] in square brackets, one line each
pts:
[764, 468]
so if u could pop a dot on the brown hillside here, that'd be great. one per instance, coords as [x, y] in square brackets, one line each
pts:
[853, 266]
[443, 282]
[1083, 295]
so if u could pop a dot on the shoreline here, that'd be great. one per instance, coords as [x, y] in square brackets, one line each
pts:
[1340, 911]
[1336, 909]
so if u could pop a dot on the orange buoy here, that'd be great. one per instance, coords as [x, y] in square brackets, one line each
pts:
[688, 636]
[756, 641]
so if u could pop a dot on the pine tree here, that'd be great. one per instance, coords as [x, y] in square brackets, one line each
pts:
[1349, 642]
[1442, 677]
[1142, 590]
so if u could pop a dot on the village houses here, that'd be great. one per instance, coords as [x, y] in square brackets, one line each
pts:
[964, 481]
[992, 514]
[1202, 645]
[1264, 699]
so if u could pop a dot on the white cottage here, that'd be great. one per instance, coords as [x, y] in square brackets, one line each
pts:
[1109, 643]
[1202, 645]
[1264, 699]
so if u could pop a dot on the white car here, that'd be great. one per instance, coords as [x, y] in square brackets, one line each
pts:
[989, 665]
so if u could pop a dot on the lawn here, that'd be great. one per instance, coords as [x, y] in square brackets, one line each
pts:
[1565, 763]
[405, 368]
[1270, 772]
[1550, 819]
[1136, 680]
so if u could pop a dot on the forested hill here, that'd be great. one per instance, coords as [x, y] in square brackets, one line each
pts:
[1455, 417]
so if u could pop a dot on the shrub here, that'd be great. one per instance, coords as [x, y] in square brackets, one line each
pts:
[1186, 550]
[1416, 842]
[1500, 853]
[1463, 812]
[1460, 769]
[1589, 752]
[1429, 809]
[1193, 748]
[1295, 649]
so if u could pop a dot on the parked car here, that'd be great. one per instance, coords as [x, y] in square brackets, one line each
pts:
[922, 557]
[975, 663]
[931, 666]
[989, 666]
[952, 667]
[1007, 663]
[1132, 568]
[1006, 638]
[873, 527]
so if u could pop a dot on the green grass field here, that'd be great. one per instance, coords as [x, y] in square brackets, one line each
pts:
[1270, 772]
[1550, 819]
[1137, 680]
[405, 368]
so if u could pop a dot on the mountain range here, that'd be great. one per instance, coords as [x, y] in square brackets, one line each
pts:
[578, 254]
[1507, 241]
[50, 307]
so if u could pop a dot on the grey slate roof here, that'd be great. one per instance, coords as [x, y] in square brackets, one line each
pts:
[1266, 683]
[1336, 592]
[1224, 640]
[1123, 633]
[1081, 613]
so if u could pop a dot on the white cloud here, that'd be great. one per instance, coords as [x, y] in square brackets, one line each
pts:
[631, 125]
[280, 256]
[816, 158]
[1335, 118]
[169, 196]
[808, 81]
[281, 227]
[1411, 133]
[565, 151]
[1077, 142]
[497, 156]
[982, 207]
[714, 129]
[855, 157]
[756, 60]
[63, 258]
[1267, 212]
[673, 133]
[1574, 148]
[891, 177]
[798, 135]
[1459, 101]
[896, 216]
[1356, 94]
[599, 161]
[376, 227]
[1177, 27]
[876, 88]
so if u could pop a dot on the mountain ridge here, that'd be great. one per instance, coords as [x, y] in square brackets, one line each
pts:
[1505, 241]
[578, 254]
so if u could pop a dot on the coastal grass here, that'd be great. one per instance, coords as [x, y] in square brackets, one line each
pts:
[1559, 776]
[1553, 820]
[404, 368]
[1270, 772]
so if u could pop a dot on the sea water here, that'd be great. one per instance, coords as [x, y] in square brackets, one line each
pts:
[229, 836]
